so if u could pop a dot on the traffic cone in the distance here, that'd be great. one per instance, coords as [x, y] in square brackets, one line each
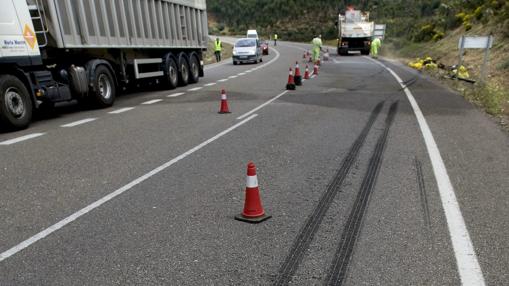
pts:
[298, 77]
[304, 55]
[306, 73]
[224, 103]
[253, 210]
[291, 83]
[315, 69]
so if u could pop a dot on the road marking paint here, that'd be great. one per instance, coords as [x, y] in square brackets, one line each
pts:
[175, 94]
[313, 76]
[195, 89]
[79, 122]
[232, 76]
[468, 266]
[242, 73]
[121, 110]
[222, 80]
[210, 84]
[248, 71]
[261, 106]
[44, 233]
[22, 138]
[152, 101]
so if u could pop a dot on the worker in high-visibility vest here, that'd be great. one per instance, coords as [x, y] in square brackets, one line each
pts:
[275, 39]
[375, 46]
[218, 46]
[317, 47]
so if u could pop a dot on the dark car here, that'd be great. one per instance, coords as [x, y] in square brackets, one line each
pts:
[265, 48]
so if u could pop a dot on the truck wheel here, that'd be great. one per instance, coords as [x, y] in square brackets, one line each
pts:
[171, 74]
[183, 71]
[194, 69]
[103, 94]
[15, 103]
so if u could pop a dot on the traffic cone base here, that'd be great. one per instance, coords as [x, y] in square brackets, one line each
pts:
[259, 219]
[298, 80]
[290, 86]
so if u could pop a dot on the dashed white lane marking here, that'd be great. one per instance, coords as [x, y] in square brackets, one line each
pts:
[195, 89]
[175, 94]
[242, 73]
[121, 110]
[222, 80]
[248, 71]
[313, 76]
[468, 267]
[79, 122]
[44, 233]
[152, 101]
[261, 106]
[232, 76]
[210, 84]
[20, 139]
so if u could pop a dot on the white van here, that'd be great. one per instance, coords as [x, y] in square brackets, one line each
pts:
[252, 34]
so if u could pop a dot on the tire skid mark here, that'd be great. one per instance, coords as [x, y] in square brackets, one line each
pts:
[423, 194]
[308, 231]
[337, 272]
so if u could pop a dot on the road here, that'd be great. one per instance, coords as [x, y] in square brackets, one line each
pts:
[369, 181]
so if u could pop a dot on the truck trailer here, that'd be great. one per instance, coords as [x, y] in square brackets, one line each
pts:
[89, 50]
[355, 32]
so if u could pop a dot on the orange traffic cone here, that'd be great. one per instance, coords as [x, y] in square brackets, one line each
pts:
[224, 103]
[315, 69]
[297, 78]
[306, 73]
[253, 210]
[304, 55]
[291, 84]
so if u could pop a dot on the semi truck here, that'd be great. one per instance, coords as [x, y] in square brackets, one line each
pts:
[355, 32]
[89, 50]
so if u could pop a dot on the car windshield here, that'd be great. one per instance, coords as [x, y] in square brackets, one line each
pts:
[245, 43]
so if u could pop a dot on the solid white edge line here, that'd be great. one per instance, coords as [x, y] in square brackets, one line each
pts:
[79, 122]
[121, 110]
[152, 101]
[468, 266]
[261, 106]
[233, 76]
[21, 138]
[175, 94]
[26, 243]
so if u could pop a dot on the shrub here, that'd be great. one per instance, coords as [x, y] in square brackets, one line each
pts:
[438, 36]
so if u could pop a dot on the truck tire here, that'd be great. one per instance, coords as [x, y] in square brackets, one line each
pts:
[15, 103]
[183, 71]
[171, 74]
[104, 91]
[194, 69]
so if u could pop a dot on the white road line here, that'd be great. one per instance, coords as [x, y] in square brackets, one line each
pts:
[248, 71]
[121, 110]
[175, 94]
[313, 76]
[261, 106]
[152, 101]
[222, 80]
[232, 76]
[44, 233]
[195, 89]
[79, 122]
[242, 73]
[468, 267]
[22, 138]
[210, 84]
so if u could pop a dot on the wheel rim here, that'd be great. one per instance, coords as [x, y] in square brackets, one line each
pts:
[194, 68]
[172, 73]
[104, 86]
[14, 102]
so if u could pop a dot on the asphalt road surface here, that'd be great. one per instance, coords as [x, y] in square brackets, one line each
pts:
[373, 175]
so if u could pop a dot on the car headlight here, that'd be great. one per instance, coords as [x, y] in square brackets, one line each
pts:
[234, 52]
